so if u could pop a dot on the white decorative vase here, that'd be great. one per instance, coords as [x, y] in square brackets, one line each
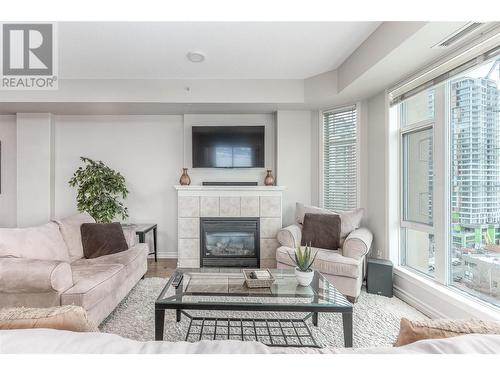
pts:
[304, 278]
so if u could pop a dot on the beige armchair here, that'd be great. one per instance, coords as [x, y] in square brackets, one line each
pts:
[344, 267]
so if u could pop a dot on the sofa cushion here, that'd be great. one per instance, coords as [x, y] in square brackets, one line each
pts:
[70, 230]
[102, 239]
[330, 262]
[321, 231]
[68, 318]
[43, 242]
[124, 257]
[93, 282]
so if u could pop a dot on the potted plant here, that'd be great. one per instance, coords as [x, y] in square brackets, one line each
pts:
[303, 263]
[99, 189]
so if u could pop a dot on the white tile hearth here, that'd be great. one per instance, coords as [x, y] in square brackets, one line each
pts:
[269, 227]
[268, 263]
[268, 248]
[189, 227]
[209, 206]
[230, 206]
[250, 207]
[195, 202]
[270, 206]
[188, 206]
[190, 249]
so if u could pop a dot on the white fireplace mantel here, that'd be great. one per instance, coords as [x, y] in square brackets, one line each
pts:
[257, 188]
[197, 201]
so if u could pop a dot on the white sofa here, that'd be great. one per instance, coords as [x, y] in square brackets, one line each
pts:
[344, 267]
[44, 266]
[40, 341]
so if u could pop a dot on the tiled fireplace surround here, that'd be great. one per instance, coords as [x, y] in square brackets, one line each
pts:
[194, 202]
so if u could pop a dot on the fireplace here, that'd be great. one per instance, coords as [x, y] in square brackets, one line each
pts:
[229, 242]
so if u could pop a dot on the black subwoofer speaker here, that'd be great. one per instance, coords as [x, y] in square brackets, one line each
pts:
[379, 277]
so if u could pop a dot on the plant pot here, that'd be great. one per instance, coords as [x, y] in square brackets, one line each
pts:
[304, 278]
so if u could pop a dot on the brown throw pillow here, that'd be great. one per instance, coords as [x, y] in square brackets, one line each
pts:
[411, 331]
[321, 230]
[68, 318]
[102, 239]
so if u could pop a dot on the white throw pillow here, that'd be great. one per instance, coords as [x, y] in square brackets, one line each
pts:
[43, 242]
[70, 230]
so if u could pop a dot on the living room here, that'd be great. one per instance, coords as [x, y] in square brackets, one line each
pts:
[328, 186]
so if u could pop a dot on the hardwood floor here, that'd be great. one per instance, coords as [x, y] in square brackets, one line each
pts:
[163, 268]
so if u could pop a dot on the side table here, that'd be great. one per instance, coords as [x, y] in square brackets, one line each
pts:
[141, 230]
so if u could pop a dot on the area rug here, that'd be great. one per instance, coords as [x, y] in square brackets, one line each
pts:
[375, 318]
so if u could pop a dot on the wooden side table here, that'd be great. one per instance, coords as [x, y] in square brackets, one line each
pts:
[141, 230]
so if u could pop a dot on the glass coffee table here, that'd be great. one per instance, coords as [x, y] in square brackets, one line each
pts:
[223, 289]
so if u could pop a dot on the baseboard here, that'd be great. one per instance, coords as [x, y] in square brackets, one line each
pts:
[438, 301]
[417, 304]
[166, 255]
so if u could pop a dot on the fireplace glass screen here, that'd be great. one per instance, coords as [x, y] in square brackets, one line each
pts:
[230, 244]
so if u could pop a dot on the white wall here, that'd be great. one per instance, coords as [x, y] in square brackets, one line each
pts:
[293, 150]
[374, 173]
[147, 150]
[8, 170]
[150, 152]
[315, 156]
[35, 171]
[199, 175]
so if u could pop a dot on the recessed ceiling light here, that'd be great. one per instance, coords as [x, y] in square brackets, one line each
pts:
[196, 56]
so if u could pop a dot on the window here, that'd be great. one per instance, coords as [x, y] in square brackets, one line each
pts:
[340, 159]
[417, 230]
[450, 181]
[475, 181]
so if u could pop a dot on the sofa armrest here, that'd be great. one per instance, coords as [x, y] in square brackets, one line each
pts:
[290, 236]
[21, 275]
[358, 243]
[141, 247]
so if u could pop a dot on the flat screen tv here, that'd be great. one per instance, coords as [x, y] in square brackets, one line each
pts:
[228, 146]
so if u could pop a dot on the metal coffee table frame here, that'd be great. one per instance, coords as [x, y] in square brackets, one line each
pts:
[271, 330]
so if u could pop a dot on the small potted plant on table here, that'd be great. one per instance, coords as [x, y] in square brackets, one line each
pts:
[303, 262]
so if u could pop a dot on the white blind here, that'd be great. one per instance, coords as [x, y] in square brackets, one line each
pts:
[339, 159]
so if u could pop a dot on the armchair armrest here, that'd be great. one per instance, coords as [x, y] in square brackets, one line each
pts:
[290, 236]
[358, 243]
[21, 275]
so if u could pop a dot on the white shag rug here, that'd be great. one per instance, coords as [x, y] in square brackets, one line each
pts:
[375, 318]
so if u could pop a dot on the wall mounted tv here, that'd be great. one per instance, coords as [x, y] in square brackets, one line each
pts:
[228, 146]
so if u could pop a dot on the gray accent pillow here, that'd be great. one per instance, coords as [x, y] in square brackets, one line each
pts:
[349, 220]
[322, 231]
[100, 239]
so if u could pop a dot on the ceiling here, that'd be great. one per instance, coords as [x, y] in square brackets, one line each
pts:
[234, 50]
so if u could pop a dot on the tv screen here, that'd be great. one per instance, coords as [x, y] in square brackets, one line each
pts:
[228, 146]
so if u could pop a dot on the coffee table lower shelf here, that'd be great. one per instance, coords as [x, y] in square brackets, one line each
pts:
[271, 332]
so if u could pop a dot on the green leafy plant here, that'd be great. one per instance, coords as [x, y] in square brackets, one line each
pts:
[303, 259]
[99, 189]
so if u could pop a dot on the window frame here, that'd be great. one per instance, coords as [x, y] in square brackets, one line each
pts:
[321, 148]
[440, 186]
[442, 194]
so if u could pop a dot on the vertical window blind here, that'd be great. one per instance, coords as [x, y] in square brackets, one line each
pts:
[340, 159]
